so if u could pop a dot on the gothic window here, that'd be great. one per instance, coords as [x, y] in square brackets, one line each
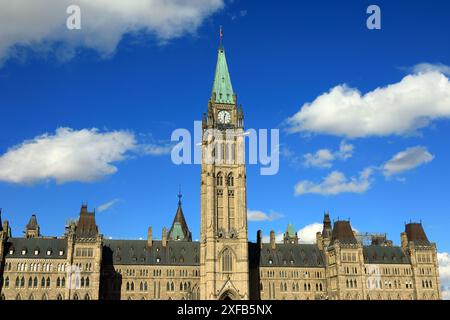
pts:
[30, 282]
[227, 261]
[31, 297]
[18, 297]
[2, 297]
[48, 282]
[219, 179]
[128, 286]
[63, 283]
[230, 180]
[59, 297]
[82, 282]
[87, 297]
[58, 282]
[6, 282]
[22, 282]
[145, 286]
[168, 287]
[75, 297]
[132, 286]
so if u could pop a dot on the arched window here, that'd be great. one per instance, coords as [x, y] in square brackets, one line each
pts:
[43, 282]
[31, 297]
[230, 180]
[82, 282]
[18, 297]
[172, 286]
[48, 282]
[87, 297]
[22, 282]
[141, 287]
[227, 261]
[17, 282]
[2, 297]
[63, 283]
[7, 282]
[58, 282]
[168, 286]
[145, 286]
[60, 297]
[128, 286]
[30, 282]
[132, 286]
[219, 179]
[75, 297]
[181, 286]
[35, 282]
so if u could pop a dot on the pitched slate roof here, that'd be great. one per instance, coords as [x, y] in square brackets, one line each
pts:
[32, 223]
[86, 226]
[291, 255]
[343, 232]
[136, 252]
[385, 255]
[416, 234]
[41, 245]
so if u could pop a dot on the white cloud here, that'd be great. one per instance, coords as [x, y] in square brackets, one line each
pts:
[103, 22]
[108, 205]
[336, 183]
[68, 155]
[323, 158]
[398, 109]
[256, 215]
[429, 67]
[307, 234]
[407, 160]
[444, 273]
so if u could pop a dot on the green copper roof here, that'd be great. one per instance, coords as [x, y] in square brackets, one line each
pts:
[222, 83]
[290, 230]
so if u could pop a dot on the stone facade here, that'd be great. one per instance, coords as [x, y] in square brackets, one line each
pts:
[223, 264]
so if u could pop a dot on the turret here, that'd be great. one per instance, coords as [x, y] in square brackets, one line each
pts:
[86, 226]
[164, 237]
[290, 236]
[32, 229]
[179, 231]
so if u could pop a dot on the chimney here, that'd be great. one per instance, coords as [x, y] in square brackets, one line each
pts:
[164, 237]
[319, 240]
[259, 238]
[404, 240]
[272, 239]
[150, 237]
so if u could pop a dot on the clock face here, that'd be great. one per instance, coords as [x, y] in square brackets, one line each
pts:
[224, 117]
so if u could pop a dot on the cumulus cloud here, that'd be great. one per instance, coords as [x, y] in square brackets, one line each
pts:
[307, 234]
[335, 183]
[68, 155]
[41, 25]
[400, 109]
[323, 158]
[108, 205]
[256, 215]
[407, 160]
[444, 273]
[429, 67]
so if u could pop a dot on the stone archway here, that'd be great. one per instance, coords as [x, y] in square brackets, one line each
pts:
[229, 295]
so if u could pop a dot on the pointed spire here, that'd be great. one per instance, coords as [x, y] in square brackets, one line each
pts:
[179, 229]
[222, 89]
[32, 228]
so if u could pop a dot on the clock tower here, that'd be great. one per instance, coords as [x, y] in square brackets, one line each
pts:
[223, 235]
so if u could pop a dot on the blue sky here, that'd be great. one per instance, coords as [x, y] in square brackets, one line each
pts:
[280, 57]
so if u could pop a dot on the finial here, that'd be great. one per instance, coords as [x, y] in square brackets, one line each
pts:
[179, 195]
[220, 36]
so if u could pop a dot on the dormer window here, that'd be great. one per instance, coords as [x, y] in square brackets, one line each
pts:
[11, 251]
[270, 261]
[158, 260]
[36, 252]
[49, 252]
[24, 252]
[61, 252]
